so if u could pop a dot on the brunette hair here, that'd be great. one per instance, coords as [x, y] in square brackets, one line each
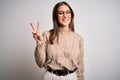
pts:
[54, 33]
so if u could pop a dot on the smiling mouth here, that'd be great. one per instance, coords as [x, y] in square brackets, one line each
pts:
[65, 20]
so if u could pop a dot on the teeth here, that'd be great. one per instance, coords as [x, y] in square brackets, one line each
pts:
[65, 20]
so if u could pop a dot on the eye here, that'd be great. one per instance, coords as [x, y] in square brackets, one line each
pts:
[60, 12]
[68, 12]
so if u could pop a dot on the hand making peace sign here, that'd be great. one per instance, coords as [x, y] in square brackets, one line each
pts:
[36, 34]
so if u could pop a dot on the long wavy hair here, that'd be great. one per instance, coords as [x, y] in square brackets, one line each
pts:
[54, 33]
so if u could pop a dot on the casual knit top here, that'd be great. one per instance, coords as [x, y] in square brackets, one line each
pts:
[67, 53]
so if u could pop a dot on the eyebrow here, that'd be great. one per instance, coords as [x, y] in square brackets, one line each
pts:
[61, 10]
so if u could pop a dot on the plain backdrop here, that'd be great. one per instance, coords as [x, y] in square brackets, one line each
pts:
[98, 21]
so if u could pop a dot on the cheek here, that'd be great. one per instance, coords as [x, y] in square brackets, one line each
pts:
[70, 17]
[59, 19]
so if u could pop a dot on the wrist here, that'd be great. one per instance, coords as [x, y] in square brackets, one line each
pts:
[39, 43]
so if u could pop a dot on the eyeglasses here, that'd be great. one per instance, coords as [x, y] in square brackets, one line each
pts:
[61, 13]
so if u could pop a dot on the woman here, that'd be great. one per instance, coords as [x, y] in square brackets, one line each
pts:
[60, 50]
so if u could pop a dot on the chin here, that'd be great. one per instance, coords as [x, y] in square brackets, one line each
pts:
[65, 24]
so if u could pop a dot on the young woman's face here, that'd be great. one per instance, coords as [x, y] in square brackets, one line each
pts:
[64, 15]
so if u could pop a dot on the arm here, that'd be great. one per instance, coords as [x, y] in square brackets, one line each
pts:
[80, 70]
[40, 52]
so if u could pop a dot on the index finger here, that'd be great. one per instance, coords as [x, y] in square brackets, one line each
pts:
[32, 27]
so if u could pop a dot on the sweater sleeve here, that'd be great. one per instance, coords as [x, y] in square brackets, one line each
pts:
[40, 52]
[80, 69]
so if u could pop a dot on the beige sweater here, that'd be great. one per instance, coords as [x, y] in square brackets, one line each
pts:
[67, 53]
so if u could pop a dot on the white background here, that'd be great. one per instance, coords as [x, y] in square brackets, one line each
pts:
[98, 21]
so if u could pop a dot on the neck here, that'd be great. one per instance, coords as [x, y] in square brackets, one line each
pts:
[66, 28]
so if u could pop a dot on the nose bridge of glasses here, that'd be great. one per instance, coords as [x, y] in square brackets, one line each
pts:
[64, 12]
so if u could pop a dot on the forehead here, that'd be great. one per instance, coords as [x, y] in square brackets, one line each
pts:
[63, 8]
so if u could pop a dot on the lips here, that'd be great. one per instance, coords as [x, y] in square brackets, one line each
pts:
[65, 20]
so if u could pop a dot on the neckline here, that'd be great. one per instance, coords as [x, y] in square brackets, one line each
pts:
[63, 30]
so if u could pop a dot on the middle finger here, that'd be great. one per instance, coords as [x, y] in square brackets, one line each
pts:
[38, 27]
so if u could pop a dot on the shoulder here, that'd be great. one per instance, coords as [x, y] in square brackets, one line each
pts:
[47, 33]
[77, 36]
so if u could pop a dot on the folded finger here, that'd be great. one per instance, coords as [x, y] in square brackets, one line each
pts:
[34, 33]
